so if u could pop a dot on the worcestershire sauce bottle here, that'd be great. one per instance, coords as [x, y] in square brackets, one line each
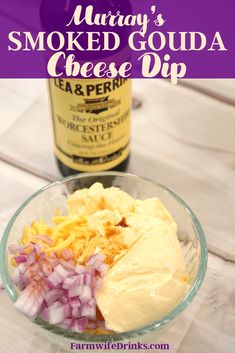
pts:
[91, 120]
[91, 117]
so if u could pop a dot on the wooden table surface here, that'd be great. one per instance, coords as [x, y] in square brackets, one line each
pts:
[183, 137]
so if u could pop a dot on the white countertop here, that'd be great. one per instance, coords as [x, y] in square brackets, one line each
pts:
[184, 138]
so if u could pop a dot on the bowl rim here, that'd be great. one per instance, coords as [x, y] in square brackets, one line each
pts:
[86, 337]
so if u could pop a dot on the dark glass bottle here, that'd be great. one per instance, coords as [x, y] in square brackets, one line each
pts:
[91, 117]
[65, 170]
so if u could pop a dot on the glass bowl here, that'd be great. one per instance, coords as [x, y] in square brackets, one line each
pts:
[44, 203]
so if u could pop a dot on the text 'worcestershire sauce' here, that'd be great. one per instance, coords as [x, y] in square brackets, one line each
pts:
[91, 120]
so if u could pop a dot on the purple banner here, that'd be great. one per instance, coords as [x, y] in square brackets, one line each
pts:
[94, 38]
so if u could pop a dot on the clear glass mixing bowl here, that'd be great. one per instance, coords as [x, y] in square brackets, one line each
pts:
[43, 204]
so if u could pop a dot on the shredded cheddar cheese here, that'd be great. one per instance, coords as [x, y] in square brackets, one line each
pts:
[96, 222]
[74, 233]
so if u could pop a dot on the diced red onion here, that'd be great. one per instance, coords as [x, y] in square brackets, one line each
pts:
[31, 258]
[44, 238]
[56, 315]
[55, 278]
[88, 311]
[86, 294]
[76, 312]
[66, 323]
[80, 269]
[35, 266]
[15, 249]
[82, 279]
[20, 258]
[48, 283]
[38, 276]
[67, 253]
[22, 267]
[75, 302]
[79, 325]
[68, 282]
[67, 309]
[35, 247]
[45, 314]
[53, 295]
[58, 275]
[88, 279]
[57, 290]
[24, 280]
[103, 269]
[92, 302]
[56, 304]
[28, 304]
[46, 268]
[75, 291]
[64, 299]
[31, 299]
[15, 276]
[68, 266]
[54, 261]
[42, 255]
[96, 260]
[60, 269]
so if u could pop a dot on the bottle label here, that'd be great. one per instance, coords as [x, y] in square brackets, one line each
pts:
[91, 120]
